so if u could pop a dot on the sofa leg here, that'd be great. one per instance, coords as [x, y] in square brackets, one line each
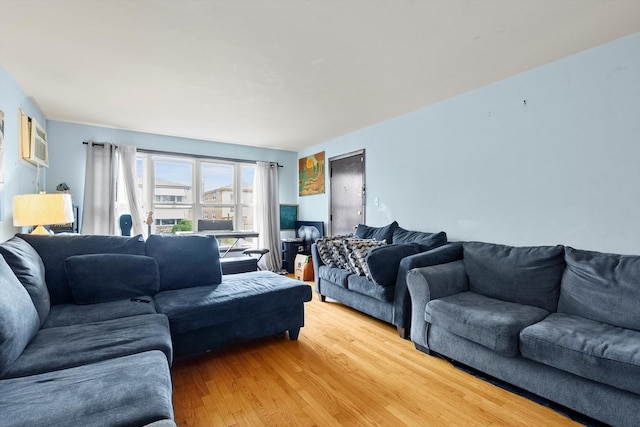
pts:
[293, 334]
[322, 298]
[402, 332]
[422, 348]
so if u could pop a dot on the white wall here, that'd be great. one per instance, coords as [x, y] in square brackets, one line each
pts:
[68, 161]
[19, 176]
[562, 169]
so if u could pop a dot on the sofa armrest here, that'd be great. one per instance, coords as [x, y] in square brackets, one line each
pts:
[402, 300]
[317, 262]
[429, 283]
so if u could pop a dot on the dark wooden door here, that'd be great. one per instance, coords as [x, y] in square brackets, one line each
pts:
[347, 197]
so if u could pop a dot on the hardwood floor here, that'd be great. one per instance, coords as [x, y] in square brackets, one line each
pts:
[345, 369]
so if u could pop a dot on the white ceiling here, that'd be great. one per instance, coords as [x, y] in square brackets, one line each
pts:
[281, 73]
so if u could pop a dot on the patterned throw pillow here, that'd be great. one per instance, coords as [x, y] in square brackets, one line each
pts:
[356, 252]
[330, 250]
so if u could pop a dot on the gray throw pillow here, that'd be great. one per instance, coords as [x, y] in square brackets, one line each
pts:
[100, 278]
[377, 233]
[29, 269]
[524, 275]
[602, 287]
[19, 321]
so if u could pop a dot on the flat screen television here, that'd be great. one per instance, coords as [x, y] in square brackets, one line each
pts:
[309, 232]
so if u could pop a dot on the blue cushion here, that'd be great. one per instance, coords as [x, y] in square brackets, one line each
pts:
[238, 297]
[75, 345]
[19, 321]
[598, 351]
[364, 286]
[185, 260]
[383, 262]
[111, 277]
[28, 267]
[524, 275]
[54, 250]
[603, 287]
[377, 233]
[425, 240]
[486, 321]
[132, 390]
[74, 314]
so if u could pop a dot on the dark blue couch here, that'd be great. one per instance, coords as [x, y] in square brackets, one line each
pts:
[558, 322]
[384, 295]
[89, 325]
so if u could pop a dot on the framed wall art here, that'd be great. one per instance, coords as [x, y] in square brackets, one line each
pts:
[311, 175]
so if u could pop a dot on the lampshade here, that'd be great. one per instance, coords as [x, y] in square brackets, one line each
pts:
[42, 209]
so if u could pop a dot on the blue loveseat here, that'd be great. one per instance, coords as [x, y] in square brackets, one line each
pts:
[382, 293]
[89, 325]
[558, 322]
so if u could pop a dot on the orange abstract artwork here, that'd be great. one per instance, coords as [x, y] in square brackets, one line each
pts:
[311, 175]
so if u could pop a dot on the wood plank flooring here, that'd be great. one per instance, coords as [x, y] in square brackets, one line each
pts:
[345, 369]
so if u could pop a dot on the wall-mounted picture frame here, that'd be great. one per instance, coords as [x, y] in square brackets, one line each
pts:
[288, 217]
[311, 175]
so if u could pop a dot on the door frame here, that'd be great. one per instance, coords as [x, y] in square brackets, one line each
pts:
[360, 152]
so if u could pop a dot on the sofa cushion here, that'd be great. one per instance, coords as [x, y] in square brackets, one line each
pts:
[486, 321]
[598, 351]
[29, 269]
[377, 233]
[81, 344]
[383, 262]
[425, 241]
[524, 275]
[19, 321]
[364, 286]
[74, 314]
[185, 260]
[337, 276]
[238, 296]
[54, 250]
[603, 287]
[111, 277]
[132, 390]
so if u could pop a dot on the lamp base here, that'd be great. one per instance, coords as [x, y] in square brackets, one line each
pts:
[40, 230]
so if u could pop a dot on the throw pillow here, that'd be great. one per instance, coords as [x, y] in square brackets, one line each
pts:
[377, 233]
[524, 275]
[602, 287]
[324, 251]
[19, 321]
[29, 269]
[356, 251]
[100, 278]
[186, 260]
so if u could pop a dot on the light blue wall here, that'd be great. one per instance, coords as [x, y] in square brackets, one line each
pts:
[68, 159]
[19, 176]
[564, 168]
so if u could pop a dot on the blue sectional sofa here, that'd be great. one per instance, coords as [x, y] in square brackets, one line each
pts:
[558, 322]
[383, 292]
[89, 325]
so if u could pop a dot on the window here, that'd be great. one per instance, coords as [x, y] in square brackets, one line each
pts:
[179, 190]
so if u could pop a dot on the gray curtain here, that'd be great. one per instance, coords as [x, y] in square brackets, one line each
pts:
[98, 207]
[267, 214]
[126, 156]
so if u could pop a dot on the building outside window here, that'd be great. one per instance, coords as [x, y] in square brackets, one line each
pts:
[179, 190]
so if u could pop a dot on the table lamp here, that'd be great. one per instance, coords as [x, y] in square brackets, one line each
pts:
[42, 209]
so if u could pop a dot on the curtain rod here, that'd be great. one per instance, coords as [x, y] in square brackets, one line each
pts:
[172, 153]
